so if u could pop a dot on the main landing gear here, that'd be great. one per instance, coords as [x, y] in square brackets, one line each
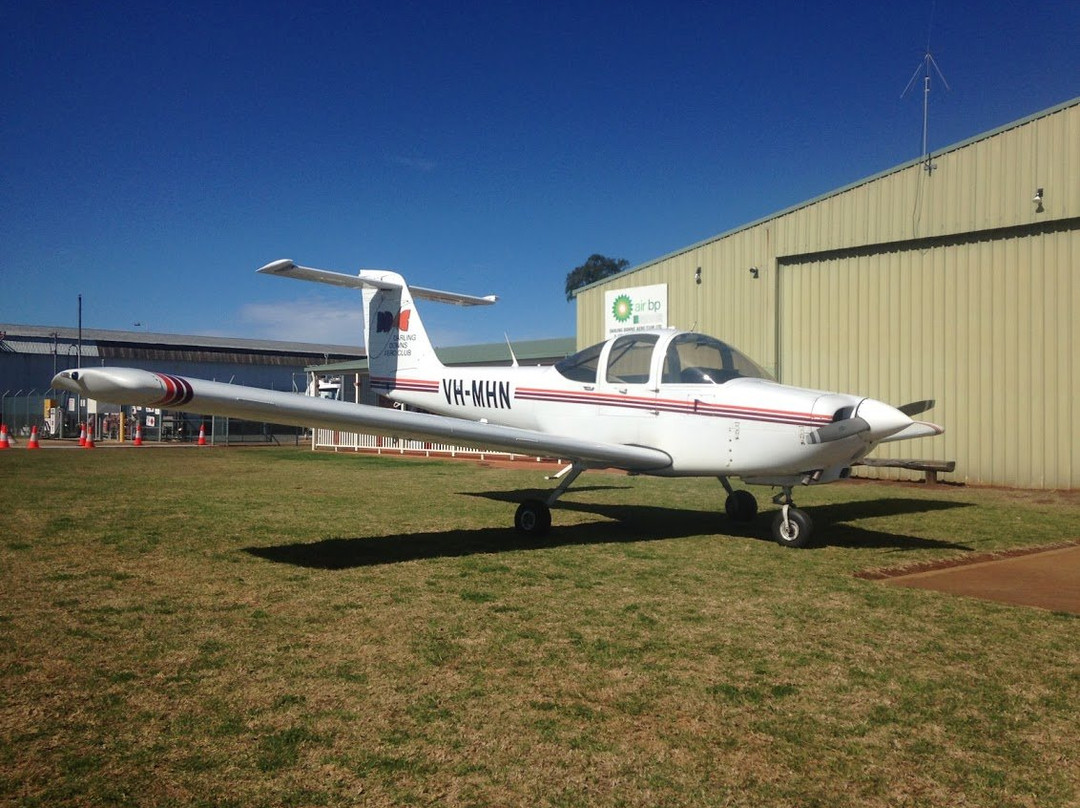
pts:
[533, 517]
[791, 527]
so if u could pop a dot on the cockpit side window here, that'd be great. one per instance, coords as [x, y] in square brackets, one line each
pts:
[582, 366]
[630, 359]
[699, 359]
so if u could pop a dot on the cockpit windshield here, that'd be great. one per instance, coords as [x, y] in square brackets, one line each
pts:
[699, 359]
[582, 366]
[690, 359]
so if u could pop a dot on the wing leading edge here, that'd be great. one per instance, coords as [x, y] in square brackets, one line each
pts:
[146, 388]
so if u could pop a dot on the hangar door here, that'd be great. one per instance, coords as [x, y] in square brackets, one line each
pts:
[985, 327]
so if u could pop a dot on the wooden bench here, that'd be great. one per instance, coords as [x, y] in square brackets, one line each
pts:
[929, 467]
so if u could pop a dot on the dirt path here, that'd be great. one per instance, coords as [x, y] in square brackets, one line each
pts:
[1047, 579]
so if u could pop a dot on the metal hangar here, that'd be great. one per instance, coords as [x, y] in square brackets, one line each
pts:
[955, 278]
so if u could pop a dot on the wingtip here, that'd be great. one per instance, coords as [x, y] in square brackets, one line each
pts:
[274, 267]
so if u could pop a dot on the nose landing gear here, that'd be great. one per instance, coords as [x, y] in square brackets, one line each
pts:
[791, 527]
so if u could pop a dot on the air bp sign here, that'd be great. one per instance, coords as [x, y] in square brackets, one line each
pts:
[636, 309]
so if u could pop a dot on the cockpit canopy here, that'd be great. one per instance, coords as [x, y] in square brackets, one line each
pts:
[686, 358]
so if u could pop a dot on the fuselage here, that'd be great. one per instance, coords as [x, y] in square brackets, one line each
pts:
[721, 418]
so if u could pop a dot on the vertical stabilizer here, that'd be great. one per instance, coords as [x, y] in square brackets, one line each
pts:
[396, 341]
[398, 347]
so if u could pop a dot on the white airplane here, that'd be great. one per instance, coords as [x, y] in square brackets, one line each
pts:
[665, 402]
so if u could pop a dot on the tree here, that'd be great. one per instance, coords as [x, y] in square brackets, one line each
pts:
[595, 269]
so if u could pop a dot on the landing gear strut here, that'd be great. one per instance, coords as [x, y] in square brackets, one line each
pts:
[791, 527]
[533, 517]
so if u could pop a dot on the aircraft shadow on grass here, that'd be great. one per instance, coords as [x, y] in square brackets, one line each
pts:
[618, 524]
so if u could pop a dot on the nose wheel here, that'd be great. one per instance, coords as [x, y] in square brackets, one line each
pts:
[791, 527]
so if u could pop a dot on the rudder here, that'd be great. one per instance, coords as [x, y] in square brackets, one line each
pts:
[394, 335]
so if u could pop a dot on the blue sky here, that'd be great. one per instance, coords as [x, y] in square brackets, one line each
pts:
[154, 155]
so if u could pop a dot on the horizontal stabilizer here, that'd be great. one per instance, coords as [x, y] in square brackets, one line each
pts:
[370, 279]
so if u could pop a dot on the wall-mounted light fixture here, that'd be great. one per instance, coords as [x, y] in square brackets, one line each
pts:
[754, 273]
[697, 275]
[1038, 199]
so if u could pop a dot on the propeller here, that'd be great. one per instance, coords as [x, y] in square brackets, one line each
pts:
[916, 407]
[870, 416]
[839, 430]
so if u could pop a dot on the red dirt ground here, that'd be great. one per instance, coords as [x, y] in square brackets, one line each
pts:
[1047, 578]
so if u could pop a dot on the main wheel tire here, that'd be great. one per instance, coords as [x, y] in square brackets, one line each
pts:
[797, 532]
[741, 506]
[533, 518]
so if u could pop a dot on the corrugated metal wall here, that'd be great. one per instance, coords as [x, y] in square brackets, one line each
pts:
[984, 327]
[949, 284]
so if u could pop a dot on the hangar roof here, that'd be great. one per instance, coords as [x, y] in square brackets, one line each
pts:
[936, 154]
[39, 339]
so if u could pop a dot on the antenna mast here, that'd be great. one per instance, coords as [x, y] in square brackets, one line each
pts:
[924, 67]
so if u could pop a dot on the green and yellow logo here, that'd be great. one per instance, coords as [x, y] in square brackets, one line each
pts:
[622, 308]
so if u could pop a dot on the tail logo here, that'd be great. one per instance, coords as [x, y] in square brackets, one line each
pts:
[386, 321]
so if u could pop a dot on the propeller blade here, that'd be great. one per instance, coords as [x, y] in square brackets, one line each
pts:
[839, 430]
[917, 407]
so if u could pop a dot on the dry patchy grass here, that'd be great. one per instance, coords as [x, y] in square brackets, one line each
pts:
[274, 627]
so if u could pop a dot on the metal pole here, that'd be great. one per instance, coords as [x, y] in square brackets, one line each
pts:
[78, 364]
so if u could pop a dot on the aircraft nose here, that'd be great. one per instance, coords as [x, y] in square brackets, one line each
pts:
[883, 419]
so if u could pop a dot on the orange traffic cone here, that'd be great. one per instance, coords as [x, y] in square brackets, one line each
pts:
[138, 434]
[33, 442]
[82, 434]
[202, 434]
[4, 442]
[89, 436]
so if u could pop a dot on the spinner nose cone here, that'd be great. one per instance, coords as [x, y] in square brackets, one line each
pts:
[884, 419]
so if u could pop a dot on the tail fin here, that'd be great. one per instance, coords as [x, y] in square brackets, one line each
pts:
[397, 343]
[394, 336]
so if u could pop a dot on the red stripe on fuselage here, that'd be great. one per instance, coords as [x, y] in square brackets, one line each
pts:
[691, 407]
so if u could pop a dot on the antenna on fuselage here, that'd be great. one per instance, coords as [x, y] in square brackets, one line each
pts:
[513, 356]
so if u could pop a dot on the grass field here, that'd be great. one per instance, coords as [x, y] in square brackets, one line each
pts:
[275, 627]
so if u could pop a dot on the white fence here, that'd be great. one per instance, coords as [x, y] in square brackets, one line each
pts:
[377, 444]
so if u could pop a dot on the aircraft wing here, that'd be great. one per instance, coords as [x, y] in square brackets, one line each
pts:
[148, 389]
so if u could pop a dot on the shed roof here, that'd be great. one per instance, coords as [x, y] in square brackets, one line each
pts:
[39, 339]
[937, 153]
